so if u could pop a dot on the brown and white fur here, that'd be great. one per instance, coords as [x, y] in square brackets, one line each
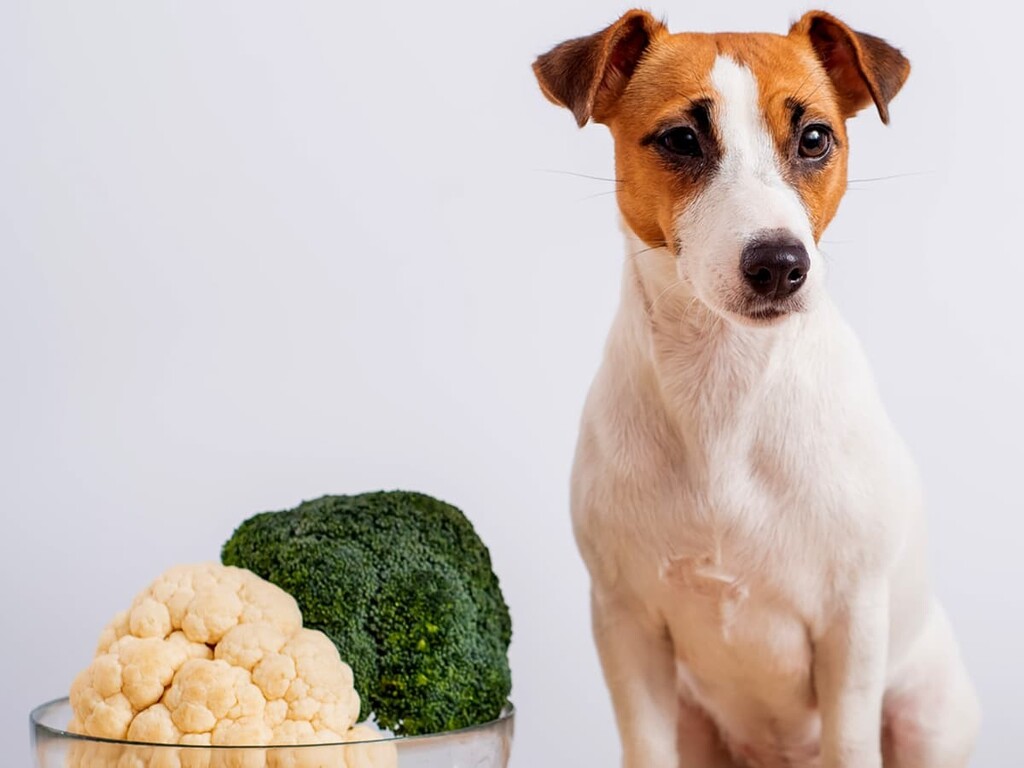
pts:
[751, 521]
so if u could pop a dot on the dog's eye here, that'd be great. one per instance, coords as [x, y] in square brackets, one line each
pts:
[815, 142]
[681, 141]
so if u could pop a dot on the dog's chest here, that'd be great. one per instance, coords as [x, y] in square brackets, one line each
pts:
[708, 600]
[739, 599]
[727, 604]
[735, 546]
[767, 498]
[731, 575]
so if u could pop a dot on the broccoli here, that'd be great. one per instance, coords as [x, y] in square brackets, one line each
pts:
[403, 586]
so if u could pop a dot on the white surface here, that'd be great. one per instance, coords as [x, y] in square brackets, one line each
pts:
[251, 253]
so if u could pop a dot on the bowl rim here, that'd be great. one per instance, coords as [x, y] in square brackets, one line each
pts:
[36, 721]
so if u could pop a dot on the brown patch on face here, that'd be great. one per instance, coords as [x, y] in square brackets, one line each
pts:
[669, 89]
[643, 82]
[674, 75]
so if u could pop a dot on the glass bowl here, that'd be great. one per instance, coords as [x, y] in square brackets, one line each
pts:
[482, 746]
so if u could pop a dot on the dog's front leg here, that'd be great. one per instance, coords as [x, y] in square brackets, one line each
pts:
[639, 668]
[850, 660]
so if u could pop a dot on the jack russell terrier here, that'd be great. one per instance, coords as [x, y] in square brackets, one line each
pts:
[751, 522]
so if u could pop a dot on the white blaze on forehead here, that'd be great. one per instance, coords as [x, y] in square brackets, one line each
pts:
[750, 181]
[745, 198]
[746, 143]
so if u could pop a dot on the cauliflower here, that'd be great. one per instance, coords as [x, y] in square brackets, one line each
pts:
[214, 655]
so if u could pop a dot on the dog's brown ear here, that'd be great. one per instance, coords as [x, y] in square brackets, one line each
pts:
[863, 68]
[588, 74]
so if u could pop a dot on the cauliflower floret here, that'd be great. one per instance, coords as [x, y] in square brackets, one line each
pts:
[301, 677]
[204, 601]
[214, 655]
[129, 676]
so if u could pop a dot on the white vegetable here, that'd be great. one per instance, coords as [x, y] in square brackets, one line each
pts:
[212, 654]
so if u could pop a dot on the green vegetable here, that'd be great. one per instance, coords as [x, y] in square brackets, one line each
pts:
[403, 586]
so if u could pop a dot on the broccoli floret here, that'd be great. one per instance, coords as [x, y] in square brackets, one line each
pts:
[403, 586]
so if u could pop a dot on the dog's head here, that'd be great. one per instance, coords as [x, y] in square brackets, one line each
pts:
[730, 149]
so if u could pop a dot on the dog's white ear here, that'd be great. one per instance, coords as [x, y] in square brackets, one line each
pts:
[863, 68]
[587, 75]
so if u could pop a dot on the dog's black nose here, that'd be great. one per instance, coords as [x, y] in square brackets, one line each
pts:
[775, 267]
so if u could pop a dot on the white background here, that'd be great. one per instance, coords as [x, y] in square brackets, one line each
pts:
[251, 253]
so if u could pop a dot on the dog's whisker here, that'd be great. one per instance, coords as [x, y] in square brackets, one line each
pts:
[686, 314]
[580, 175]
[642, 251]
[890, 177]
[598, 194]
[799, 96]
[805, 81]
[671, 286]
[709, 326]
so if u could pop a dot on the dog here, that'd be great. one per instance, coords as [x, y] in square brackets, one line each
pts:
[751, 522]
